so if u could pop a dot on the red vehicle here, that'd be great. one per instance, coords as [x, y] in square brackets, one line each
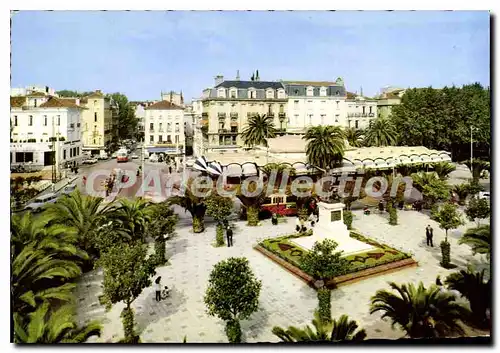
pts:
[280, 204]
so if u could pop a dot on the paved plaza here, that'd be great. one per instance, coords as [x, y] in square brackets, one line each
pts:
[284, 300]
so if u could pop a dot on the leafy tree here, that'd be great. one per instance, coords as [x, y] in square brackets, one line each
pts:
[220, 209]
[474, 187]
[193, 204]
[462, 191]
[479, 239]
[353, 136]
[421, 312]
[323, 262]
[232, 294]
[448, 218]
[325, 146]
[443, 169]
[46, 326]
[161, 228]
[477, 209]
[474, 287]
[337, 330]
[127, 272]
[259, 129]
[127, 122]
[73, 94]
[381, 132]
[252, 202]
[432, 188]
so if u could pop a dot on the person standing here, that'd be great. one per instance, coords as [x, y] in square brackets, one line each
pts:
[158, 289]
[380, 206]
[229, 236]
[429, 234]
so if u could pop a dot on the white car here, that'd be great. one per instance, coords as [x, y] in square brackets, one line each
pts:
[484, 195]
[114, 155]
[39, 202]
[68, 189]
[90, 161]
[134, 156]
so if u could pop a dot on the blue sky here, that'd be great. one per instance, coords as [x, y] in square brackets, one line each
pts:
[142, 53]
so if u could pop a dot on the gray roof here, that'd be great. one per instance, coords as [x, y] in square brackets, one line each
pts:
[248, 84]
[300, 90]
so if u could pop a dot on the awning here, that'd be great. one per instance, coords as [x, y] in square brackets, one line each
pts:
[162, 150]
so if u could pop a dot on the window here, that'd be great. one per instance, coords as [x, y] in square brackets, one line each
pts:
[356, 124]
[151, 138]
[233, 93]
[36, 103]
[322, 91]
[310, 119]
[15, 120]
[95, 103]
[169, 127]
[252, 93]
[281, 93]
[270, 94]
[295, 105]
[161, 127]
[282, 108]
[310, 91]
[30, 122]
[169, 139]
[363, 109]
[296, 119]
[310, 105]
[337, 118]
[71, 153]
[94, 142]
[370, 109]
[176, 127]
[338, 104]
[45, 120]
[58, 120]
[160, 138]
[176, 138]
[221, 93]
[151, 127]
[64, 154]
[95, 117]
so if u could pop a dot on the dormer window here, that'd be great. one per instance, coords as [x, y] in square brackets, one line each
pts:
[270, 94]
[310, 91]
[322, 91]
[221, 93]
[281, 93]
[252, 93]
[233, 93]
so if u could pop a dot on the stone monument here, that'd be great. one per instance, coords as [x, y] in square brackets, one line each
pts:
[331, 226]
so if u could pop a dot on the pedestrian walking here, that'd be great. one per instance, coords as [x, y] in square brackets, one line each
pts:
[229, 236]
[170, 170]
[429, 234]
[274, 219]
[158, 288]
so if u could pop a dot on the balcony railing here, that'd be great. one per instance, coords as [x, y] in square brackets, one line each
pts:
[282, 115]
[228, 132]
[204, 115]
[359, 115]
[270, 114]
[221, 115]
[233, 116]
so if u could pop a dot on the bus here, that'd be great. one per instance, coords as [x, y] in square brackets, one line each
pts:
[122, 156]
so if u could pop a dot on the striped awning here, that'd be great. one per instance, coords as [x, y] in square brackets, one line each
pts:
[214, 168]
[200, 164]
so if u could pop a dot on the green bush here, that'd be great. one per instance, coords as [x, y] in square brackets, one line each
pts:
[324, 303]
[127, 316]
[445, 251]
[219, 235]
[233, 331]
[348, 219]
[160, 252]
[302, 213]
[393, 216]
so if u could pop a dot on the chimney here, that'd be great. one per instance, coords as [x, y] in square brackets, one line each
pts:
[219, 79]
[237, 75]
[98, 91]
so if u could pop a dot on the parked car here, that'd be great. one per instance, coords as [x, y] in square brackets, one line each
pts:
[90, 161]
[38, 204]
[114, 155]
[134, 156]
[68, 189]
[484, 195]
[103, 156]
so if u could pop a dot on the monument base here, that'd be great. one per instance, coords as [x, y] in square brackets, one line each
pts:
[348, 245]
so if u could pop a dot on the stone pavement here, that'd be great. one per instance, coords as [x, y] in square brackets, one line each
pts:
[284, 300]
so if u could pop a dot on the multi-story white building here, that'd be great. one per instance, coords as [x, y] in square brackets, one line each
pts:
[23, 91]
[44, 130]
[164, 129]
[360, 111]
[313, 103]
[140, 113]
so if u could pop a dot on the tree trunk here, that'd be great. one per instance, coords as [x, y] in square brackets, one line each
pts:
[233, 331]
[252, 215]
[324, 303]
[198, 225]
[160, 251]
[219, 235]
[127, 316]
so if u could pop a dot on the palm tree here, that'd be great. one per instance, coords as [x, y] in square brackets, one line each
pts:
[462, 191]
[476, 290]
[419, 311]
[479, 239]
[252, 202]
[443, 169]
[133, 216]
[279, 169]
[193, 204]
[478, 165]
[325, 146]
[381, 132]
[342, 329]
[58, 326]
[259, 129]
[86, 214]
[354, 136]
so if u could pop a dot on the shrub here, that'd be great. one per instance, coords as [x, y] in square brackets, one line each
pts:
[302, 212]
[127, 316]
[324, 297]
[393, 216]
[445, 251]
[348, 219]
[160, 248]
[219, 235]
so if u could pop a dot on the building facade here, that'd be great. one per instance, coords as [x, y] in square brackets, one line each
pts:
[360, 111]
[388, 99]
[164, 128]
[45, 130]
[229, 104]
[312, 103]
[97, 122]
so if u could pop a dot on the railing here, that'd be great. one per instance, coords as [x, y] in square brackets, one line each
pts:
[228, 132]
[233, 116]
[269, 114]
[359, 115]
[282, 115]
[221, 115]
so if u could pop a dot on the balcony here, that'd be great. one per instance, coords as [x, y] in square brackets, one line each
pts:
[221, 115]
[228, 132]
[204, 115]
[282, 116]
[359, 115]
[233, 116]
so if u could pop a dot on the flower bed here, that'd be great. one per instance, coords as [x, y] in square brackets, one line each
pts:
[382, 257]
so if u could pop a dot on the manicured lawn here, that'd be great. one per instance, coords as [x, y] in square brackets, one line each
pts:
[284, 248]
